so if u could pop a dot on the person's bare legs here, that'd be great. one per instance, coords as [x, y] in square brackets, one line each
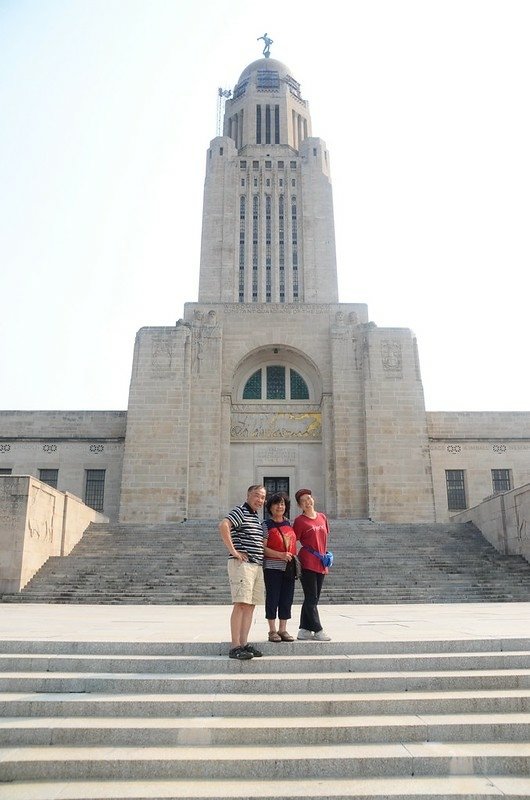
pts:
[240, 623]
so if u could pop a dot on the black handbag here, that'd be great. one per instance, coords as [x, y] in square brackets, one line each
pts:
[293, 568]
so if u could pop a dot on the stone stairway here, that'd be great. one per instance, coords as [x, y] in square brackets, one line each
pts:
[374, 563]
[364, 720]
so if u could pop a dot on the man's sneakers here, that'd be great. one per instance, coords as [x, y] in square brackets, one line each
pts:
[244, 653]
[306, 636]
[240, 653]
[254, 652]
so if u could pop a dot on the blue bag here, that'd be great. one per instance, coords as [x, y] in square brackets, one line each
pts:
[326, 558]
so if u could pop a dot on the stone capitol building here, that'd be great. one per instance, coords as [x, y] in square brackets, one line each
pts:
[268, 377]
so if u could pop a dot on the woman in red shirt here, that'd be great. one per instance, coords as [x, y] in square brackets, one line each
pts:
[311, 528]
[280, 547]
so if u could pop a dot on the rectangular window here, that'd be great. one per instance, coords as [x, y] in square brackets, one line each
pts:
[95, 488]
[276, 383]
[280, 164]
[255, 165]
[258, 124]
[456, 490]
[276, 124]
[242, 165]
[5, 471]
[501, 480]
[268, 165]
[293, 164]
[49, 476]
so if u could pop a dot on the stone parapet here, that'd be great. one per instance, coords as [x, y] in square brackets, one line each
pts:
[36, 522]
[504, 520]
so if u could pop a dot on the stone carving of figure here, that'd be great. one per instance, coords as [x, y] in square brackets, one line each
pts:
[267, 44]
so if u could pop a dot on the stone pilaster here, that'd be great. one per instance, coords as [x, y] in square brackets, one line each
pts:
[400, 485]
[155, 465]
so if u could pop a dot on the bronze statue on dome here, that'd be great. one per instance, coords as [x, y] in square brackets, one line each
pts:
[267, 44]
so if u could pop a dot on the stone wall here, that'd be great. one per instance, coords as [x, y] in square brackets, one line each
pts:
[477, 443]
[71, 442]
[36, 522]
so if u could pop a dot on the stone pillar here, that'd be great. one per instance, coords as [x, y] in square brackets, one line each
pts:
[155, 463]
[400, 484]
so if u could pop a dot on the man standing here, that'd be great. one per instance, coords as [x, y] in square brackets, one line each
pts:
[242, 534]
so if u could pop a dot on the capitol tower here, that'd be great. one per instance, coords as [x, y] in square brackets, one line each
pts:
[268, 378]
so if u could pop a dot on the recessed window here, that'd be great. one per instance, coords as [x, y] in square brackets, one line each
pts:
[6, 471]
[276, 382]
[280, 164]
[268, 79]
[49, 476]
[268, 165]
[95, 488]
[242, 165]
[293, 164]
[456, 489]
[501, 480]
[255, 165]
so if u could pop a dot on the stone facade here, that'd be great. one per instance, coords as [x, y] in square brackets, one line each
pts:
[268, 377]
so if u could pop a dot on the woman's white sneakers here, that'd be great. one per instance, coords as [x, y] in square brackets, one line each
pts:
[305, 635]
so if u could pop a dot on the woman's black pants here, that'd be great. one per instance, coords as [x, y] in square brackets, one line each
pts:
[279, 593]
[312, 586]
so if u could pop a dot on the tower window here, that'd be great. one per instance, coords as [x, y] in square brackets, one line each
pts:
[276, 382]
[293, 164]
[220, 151]
[456, 489]
[268, 165]
[276, 124]
[255, 165]
[258, 124]
[252, 390]
[268, 79]
[501, 480]
[6, 470]
[242, 165]
[281, 164]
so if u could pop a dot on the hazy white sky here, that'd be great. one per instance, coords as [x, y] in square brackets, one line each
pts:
[107, 108]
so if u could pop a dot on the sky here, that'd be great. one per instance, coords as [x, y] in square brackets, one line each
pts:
[107, 108]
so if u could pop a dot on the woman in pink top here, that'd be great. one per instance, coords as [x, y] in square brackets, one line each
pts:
[311, 528]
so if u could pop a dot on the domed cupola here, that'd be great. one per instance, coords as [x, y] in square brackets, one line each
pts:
[266, 107]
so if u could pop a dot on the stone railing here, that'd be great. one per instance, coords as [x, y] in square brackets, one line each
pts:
[504, 520]
[36, 522]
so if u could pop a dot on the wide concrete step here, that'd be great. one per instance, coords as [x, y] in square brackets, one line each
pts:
[206, 731]
[254, 682]
[290, 762]
[287, 658]
[447, 787]
[27, 704]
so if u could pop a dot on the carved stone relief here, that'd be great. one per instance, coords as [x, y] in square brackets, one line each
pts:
[391, 355]
[251, 426]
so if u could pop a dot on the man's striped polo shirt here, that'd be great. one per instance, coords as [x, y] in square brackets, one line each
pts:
[246, 532]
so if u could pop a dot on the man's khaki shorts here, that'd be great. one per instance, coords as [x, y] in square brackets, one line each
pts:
[246, 582]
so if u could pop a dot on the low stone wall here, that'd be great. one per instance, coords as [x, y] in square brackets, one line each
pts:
[36, 522]
[504, 520]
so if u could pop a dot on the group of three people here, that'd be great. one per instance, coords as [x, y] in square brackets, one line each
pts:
[260, 554]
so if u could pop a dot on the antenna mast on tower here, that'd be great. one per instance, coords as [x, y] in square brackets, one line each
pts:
[222, 96]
